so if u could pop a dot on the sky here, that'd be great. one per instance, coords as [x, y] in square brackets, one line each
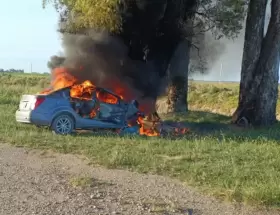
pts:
[28, 35]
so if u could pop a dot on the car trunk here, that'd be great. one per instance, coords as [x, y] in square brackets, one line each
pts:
[27, 102]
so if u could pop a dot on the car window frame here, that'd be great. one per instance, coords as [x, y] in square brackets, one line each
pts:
[103, 90]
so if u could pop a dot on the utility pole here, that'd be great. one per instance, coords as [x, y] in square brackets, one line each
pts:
[221, 70]
[30, 67]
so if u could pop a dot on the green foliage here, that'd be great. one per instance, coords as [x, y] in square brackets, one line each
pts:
[81, 182]
[85, 14]
[222, 17]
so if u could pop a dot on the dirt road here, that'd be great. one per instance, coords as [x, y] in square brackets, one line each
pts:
[32, 182]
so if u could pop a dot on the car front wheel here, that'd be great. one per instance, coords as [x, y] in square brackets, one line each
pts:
[63, 124]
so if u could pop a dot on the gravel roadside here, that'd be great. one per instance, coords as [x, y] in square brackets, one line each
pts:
[35, 182]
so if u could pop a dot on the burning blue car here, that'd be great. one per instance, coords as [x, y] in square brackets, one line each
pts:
[64, 111]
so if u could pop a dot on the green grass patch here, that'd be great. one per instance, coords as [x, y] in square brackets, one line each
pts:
[233, 164]
[82, 182]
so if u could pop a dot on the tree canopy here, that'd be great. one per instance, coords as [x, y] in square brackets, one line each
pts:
[11, 70]
[84, 14]
[222, 17]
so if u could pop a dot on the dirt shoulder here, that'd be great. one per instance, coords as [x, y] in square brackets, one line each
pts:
[33, 182]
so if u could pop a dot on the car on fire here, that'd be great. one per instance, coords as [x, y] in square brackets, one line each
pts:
[64, 114]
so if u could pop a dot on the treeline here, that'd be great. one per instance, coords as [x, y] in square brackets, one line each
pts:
[11, 71]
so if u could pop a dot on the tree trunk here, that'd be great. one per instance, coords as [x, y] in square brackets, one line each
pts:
[260, 66]
[177, 90]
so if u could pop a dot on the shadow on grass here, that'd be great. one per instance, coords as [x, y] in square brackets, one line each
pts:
[203, 124]
[200, 121]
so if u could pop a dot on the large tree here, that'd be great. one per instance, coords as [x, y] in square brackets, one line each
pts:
[260, 66]
[161, 32]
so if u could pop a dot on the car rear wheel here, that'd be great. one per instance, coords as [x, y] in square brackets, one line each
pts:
[63, 124]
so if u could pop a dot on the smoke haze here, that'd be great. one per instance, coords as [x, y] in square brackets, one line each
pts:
[227, 66]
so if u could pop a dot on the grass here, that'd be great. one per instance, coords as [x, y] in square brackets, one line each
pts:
[214, 97]
[82, 182]
[232, 164]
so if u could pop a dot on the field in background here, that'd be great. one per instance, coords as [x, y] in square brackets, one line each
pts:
[217, 158]
[216, 97]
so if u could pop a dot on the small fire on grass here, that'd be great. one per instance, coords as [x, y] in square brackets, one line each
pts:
[149, 125]
[152, 125]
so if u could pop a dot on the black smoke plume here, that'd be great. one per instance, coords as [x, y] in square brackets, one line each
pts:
[103, 59]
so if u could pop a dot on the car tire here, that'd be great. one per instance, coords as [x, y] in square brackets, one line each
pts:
[63, 124]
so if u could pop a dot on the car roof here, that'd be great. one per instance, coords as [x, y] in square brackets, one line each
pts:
[109, 91]
[99, 88]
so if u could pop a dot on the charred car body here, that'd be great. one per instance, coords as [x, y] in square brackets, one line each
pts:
[64, 113]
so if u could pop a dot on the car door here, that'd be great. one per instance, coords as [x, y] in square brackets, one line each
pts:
[111, 109]
[85, 120]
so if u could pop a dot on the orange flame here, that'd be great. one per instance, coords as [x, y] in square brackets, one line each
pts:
[103, 96]
[180, 131]
[62, 78]
[148, 131]
[82, 91]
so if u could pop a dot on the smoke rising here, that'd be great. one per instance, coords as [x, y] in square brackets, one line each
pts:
[103, 59]
[205, 53]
